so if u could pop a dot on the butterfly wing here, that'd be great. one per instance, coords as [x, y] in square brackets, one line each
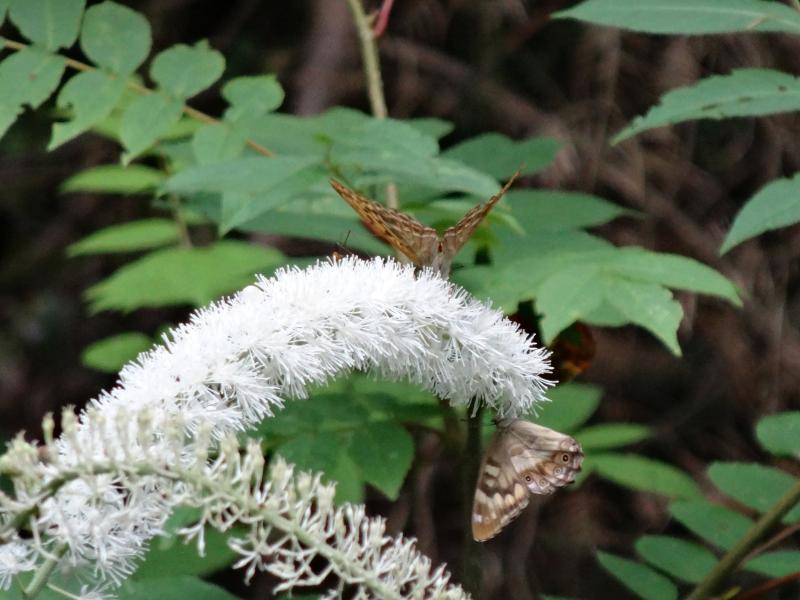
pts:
[500, 494]
[543, 459]
[401, 232]
[522, 459]
[456, 236]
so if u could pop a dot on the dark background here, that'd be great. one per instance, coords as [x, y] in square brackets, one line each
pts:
[485, 65]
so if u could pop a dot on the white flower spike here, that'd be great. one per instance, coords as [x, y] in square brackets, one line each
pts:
[119, 468]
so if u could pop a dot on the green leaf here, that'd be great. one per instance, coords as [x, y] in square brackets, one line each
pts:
[384, 452]
[645, 474]
[172, 587]
[683, 560]
[185, 70]
[648, 305]
[500, 156]
[110, 354]
[754, 485]
[147, 119]
[349, 480]
[570, 407]
[554, 210]
[115, 37]
[143, 234]
[673, 271]
[775, 564]
[743, 93]
[719, 525]
[176, 276]
[575, 285]
[611, 435]
[775, 205]
[431, 126]
[780, 434]
[566, 297]
[252, 97]
[90, 97]
[27, 77]
[690, 17]
[3, 8]
[217, 142]
[53, 24]
[316, 451]
[640, 579]
[393, 150]
[115, 179]
[169, 556]
[247, 175]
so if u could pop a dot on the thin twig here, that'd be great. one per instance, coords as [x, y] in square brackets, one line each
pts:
[731, 560]
[372, 73]
[144, 91]
[768, 586]
[382, 20]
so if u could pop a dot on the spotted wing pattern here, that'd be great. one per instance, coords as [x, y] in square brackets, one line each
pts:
[456, 236]
[522, 459]
[419, 243]
[401, 232]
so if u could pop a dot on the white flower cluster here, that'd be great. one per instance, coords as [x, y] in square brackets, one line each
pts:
[108, 483]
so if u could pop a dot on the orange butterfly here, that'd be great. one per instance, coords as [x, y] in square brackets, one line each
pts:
[421, 244]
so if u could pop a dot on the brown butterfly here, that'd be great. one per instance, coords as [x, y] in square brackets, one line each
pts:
[522, 459]
[421, 244]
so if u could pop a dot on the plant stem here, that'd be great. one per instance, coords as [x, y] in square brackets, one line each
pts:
[42, 575]
[470, 565]
[144, 91]
[372, 73]
[369, 55]
[735, 555]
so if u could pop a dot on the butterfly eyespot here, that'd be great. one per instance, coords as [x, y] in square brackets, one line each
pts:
[528, 478]
[565, 458]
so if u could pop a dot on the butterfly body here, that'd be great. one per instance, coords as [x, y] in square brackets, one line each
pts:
[522, 458]
[422, 245]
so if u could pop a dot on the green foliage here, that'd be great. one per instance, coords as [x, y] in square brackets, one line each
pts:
[109, 354]
[644, 474]
[755, 486]
[173, 587]
[780, 434]
[115, 179]
[353, 435]
[27, 77]
[776, 205]
[717, 524]
[602, 286]
[688, 17]
[743, 93]
[571, 408]
[500, 156]
[53, 24]
[683, 560]
[115, 37]
[640, 579]
[175, 276]
[168, 557]
[128, 237]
